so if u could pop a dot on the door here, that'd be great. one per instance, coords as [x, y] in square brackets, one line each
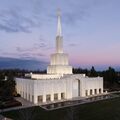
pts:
[76, 88]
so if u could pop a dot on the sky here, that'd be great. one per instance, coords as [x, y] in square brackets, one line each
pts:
[90, 29]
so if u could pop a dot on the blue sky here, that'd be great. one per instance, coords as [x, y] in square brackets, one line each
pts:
[91, 30]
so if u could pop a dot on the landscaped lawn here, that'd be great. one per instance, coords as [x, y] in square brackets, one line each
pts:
[101, 110]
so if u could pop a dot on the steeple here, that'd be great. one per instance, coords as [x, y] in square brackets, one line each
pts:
[59, 41]
[59, 63]
[59, 28]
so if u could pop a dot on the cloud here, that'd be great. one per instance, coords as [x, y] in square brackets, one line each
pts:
[19, 17]
[80, 10]
[9, 54]
[11, 21]
[24, 55]
[72, 45]
[21, 63]
[31, 56]
[34, 52]
[34, 48]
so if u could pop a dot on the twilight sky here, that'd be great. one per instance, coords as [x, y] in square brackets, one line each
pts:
[91, 30]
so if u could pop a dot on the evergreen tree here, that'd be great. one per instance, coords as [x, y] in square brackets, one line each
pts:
[93, 72]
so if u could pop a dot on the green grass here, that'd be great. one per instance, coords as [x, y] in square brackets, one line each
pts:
[101, 110]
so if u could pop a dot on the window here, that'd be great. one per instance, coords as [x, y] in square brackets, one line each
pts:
[95, 91]
[91, 92]
[26, 96]
[48, 98]
[23, 94]
[29, 97]
[32, 98]
[55, 96]
[86, 92]
[40, 99]
[100, 91]
[62, 95]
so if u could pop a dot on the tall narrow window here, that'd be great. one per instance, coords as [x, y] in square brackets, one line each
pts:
[26, 96]
[62, 95]
[55, 96]
[40, 99]
[23, 95]
[86, 92]
[91, 92]
[100, 91]
[29, 97]
[48, 98]
[32, 98]
[95, 91]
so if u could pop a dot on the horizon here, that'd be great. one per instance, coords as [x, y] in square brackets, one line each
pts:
[30, 64]
[90, 31]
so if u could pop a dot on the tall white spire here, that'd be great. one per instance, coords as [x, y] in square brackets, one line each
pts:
[59, 28]
[59, 41]
[59, 60]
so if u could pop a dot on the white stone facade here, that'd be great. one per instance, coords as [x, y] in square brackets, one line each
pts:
[70, 86]
[59, 61]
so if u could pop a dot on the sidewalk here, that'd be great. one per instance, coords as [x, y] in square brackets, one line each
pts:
[25, 104]
[24, 101]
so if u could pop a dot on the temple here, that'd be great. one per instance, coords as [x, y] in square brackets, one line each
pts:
[59, 60]
[59, 83]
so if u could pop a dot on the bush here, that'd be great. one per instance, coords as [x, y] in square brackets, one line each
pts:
[18, 95]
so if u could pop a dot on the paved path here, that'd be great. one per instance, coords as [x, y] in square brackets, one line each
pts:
[79, 101]
[25, 104]
[24, 101]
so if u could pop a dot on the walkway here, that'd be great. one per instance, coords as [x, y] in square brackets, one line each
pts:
[24, 101]
[64, 103]
[78, 101]
[25, 104]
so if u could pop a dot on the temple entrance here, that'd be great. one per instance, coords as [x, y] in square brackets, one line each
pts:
[76, 88]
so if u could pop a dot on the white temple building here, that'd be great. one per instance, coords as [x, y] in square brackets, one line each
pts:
[59, 83]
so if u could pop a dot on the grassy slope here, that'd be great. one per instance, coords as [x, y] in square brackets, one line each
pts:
[102, 110]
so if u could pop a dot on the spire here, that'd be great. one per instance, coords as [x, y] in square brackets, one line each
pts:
[59, 41]
[59, 28]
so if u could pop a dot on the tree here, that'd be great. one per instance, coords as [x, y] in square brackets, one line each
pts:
[7, 88]
[10, 83]
[93, 72]
[110, 75]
